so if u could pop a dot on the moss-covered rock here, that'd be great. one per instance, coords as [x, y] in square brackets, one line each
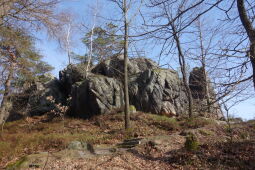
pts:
[132, 109]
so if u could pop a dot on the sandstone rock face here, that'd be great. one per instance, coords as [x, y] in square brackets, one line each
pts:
[197, 83]
[158, 91]
[96, 95]
[151, 89]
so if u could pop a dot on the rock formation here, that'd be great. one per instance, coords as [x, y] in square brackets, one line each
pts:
[96, 95]
[151, 89]
[34, 101]
[197, 84]
[158, 91]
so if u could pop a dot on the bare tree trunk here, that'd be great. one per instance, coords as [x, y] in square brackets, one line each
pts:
[250, 32]
[207, 93]
[203, 55]
[126, 95]
[183, 70]
[252, 58]
[4, 103]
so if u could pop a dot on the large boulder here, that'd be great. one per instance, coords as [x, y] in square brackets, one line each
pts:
[97, 94]
[158, 91]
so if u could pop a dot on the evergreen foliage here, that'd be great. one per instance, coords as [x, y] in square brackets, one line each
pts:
[28, 64]
[105, 42]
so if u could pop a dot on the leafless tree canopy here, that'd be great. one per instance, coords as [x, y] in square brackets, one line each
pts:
[27, 14]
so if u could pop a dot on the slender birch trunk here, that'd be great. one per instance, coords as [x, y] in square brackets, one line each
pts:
[91, 40]
[68, 42]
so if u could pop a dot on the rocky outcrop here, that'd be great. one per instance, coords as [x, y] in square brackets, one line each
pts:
[158, 91]
[113, 67]
[70, 75]
[198, 84]
[151, 89]
[39, 102]
[34, 100]
[97, 94]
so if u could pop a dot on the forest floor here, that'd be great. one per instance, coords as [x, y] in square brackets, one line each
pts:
[163, 146]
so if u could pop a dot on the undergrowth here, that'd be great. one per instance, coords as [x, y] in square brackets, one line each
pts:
[191, 143]
[21, 137]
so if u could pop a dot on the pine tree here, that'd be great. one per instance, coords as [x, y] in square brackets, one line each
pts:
[21, 62]
[105, 42]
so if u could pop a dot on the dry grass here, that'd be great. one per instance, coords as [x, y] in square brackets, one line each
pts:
[24, 137]
[37, 134]
[20, 138]
[164, 122]
[198, 122]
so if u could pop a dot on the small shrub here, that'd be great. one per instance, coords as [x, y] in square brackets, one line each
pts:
[191, 143]
[59, 109]
[251, 123]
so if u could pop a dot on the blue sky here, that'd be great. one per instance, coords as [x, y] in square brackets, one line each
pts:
[58, 58]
